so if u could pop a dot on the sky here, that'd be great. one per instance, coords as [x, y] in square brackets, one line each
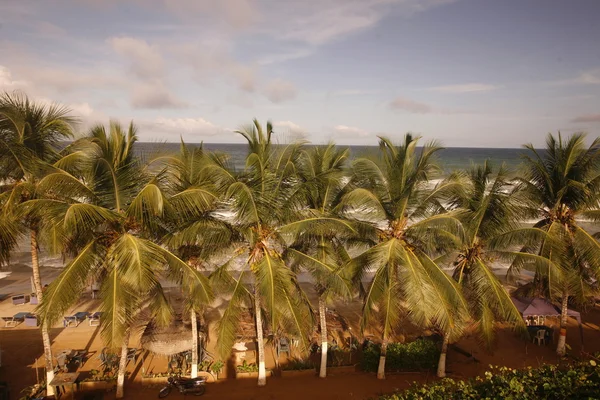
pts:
[469, 73]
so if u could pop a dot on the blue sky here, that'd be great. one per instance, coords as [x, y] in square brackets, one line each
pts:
[473, 73]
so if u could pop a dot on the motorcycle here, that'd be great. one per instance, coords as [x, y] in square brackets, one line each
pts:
[193, 386]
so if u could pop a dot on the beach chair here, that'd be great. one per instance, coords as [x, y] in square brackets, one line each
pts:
[75, 319]
[283, 347]
[11, 322]
[540, 336]
[94, 319]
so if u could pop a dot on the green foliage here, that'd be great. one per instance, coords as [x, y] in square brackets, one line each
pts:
[298, 364]
[245, 367]
[578, 381]
[96, 375]
[216, 367]
[422, 354]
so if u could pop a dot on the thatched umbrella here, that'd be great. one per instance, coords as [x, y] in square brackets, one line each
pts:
[246, 328]
[173, 339]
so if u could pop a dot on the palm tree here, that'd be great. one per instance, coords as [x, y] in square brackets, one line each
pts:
[489, 207]
[30, 135]
[259, 199]
[563, 184]
[196, 235]
[395, 198]
[323, 178]
[110, 218]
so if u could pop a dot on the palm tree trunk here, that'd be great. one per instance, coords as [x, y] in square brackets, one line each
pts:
[322, 316]
[562, 339]
[381, 368]
[262, 372]
[194, 373]
[37, 283]
[441, 371]
[122, 366]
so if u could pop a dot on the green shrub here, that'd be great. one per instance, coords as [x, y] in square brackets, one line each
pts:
[298, 364]
[577, 381]
[245, 367]
[419, 355]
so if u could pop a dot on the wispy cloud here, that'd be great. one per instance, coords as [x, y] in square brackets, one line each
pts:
[318, 22]
[589, 77]
[352, 92]
[464, 88]
[284, 56]
[411, 106]
[587, 118]
[349, 131]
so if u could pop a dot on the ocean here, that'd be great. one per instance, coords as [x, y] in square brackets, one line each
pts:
[450, 158]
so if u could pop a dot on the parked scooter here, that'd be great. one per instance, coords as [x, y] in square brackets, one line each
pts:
[193, 386]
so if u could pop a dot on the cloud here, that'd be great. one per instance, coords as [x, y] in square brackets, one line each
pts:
[83, 110]
[290, 130]
[7, 82]
[352, 92]
[48, 29]
[284, 56]
[589, 77]
[464, 88]
[411, 106]
[154, 96]
[349, 131]
[587, 118]
[146, 62]
[279, 90]
[197, 126]
[317, 22]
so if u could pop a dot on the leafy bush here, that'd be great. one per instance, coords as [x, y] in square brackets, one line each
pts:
[298, 364]
[217, 367]
[414, 356]
[578, 381]
[96, 375]
[245, 367]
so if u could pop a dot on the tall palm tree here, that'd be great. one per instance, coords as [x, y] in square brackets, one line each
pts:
[323, 177]
[30, 135]
[563, 184]
[196, 235]
[395, 198]
[110, 218]
[489, 206]
[265, 221]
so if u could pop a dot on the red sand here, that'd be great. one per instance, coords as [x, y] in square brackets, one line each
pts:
[21, 346]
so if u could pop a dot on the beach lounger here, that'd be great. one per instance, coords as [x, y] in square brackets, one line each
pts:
[20, 299]
[75, 319]
[11, 322]
[94, 319]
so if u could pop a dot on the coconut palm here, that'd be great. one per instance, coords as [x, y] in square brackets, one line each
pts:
[109, 218]
[396, 199]
[196, 235]
[563, 184]
[259, 199]
[490, 206]
[30, 135]
[323, 177]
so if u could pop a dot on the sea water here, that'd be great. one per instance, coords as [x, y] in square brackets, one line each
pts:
[449, 159]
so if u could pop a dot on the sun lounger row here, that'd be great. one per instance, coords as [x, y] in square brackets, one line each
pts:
[29, 319]
[77, 318]
[69, 321]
